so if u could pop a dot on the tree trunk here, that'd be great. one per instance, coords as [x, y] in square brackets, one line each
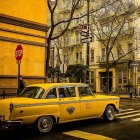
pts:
[48, 56]
[107, 80]
[107, 72]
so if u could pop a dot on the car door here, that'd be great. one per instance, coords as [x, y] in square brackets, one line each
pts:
[69, 103]
[87, 102]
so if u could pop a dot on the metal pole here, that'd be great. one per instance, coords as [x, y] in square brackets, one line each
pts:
[18, 78]
[135, 79]
[53, 63]
[88, 43]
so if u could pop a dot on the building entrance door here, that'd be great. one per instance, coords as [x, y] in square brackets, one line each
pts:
[103, 81]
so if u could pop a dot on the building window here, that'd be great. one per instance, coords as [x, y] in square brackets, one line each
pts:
[65, 41]
[120, 52]
[92, 77]
[122, 76]
[79, 57]
[65, 59]
[78, 37]
[138, 77]
[92, 55]
[130, 47]
[79, 20]
[103, 54]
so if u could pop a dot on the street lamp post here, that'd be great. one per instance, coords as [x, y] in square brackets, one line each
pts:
[88, 43]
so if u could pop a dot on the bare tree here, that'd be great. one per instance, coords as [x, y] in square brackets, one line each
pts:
[109, 25]
[53, 6]
[59, 23]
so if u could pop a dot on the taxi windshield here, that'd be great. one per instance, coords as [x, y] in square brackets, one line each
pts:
[32, 92]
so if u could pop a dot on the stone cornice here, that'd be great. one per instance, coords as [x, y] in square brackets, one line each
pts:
[23, 23]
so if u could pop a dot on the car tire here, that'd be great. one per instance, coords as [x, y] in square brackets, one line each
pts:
[45, 124]
[109, 114]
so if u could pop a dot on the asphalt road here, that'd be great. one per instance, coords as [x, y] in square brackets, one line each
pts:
[126, 126]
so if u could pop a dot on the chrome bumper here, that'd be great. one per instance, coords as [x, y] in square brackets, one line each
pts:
[7, 124]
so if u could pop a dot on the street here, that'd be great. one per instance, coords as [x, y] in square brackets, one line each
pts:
[125, 127]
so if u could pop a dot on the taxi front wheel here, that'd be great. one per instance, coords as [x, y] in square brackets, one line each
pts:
[109, 113]
[45, 124]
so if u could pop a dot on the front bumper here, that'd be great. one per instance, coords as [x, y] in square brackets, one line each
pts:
[8, 124]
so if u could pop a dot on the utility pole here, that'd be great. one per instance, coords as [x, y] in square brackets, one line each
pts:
[88, 43]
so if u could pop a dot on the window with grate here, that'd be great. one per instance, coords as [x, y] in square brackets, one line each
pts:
[122, 76]
[92, 55]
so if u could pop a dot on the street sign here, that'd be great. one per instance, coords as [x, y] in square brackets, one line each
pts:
[86, 40]
[63, 68]
[83, 33]
[18, 53]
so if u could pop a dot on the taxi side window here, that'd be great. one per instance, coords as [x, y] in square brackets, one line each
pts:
[84, 91]
[65, 92]
[51, 94]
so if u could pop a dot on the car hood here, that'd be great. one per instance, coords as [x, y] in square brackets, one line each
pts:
[107, 97]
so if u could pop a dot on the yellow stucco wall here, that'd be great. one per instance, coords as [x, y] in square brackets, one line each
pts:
[32, 63]
[32, 10]
[23, 22]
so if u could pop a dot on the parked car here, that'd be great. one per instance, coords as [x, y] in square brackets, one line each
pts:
[44, 105]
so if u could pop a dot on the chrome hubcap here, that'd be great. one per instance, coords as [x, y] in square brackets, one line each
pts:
[110, 114]
[45, 124]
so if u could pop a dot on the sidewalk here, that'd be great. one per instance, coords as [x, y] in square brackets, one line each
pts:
[128, 97]
[123, 96]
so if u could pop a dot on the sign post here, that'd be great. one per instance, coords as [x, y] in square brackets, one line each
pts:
[18, 56]
[63, 69]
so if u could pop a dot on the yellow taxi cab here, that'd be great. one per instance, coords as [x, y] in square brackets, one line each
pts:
[44, 105]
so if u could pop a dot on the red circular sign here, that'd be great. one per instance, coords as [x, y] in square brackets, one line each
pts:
[19, 53]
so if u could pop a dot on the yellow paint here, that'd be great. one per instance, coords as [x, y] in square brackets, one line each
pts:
[32, 63]
[31, 10]
[84, 108]
[86, 135]
[21, 29]
[22, 37]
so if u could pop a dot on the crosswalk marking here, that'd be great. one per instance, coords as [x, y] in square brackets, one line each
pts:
[127, 113]
[137, 119]
[86, 135]
[129, 109]
[128, 116]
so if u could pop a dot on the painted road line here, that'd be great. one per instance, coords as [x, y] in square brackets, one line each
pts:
[123, 110]
[125, 113]
[86, 135]
[137, 119]
[128, 116]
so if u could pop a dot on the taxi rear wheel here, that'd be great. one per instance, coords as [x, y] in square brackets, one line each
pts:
[109, 113]
[45, 124]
